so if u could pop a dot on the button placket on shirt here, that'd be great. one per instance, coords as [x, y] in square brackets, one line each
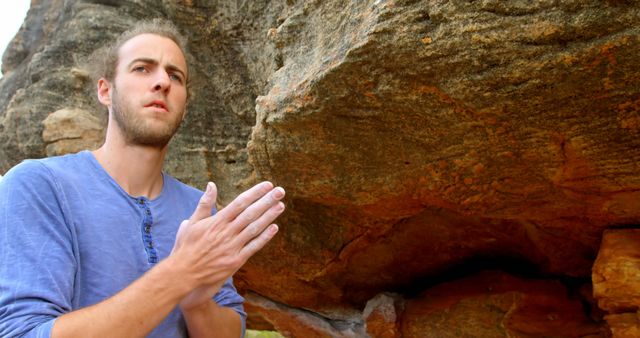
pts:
[146, 227]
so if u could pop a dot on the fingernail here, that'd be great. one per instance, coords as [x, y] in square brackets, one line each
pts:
[278, 192]
[209, 188]
[273, 229]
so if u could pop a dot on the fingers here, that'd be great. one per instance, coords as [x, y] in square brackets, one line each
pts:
[259, 242]
[181, 229]
[257, 226]
[206, 203]
[236, 232]
[183, 225]
[258, 209]
[244, 200]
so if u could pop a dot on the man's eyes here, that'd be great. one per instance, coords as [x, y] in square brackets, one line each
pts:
[145, 69]
[175, 77]
[141, 69]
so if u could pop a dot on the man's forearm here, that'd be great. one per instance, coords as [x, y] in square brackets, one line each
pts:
[212, 320]
[133, 312]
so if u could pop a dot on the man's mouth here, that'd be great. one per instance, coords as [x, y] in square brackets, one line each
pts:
[158, 104]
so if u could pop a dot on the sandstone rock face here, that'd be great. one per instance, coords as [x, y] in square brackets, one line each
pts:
[494, 304]
[625, 325]
[616, 281]
[382, 314]
[298, 323]
[616, 271]
[416, 139]
[71, 130]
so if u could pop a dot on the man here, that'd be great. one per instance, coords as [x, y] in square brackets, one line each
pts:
[94, 244]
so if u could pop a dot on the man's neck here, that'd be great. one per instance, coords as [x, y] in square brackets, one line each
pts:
[137, 169]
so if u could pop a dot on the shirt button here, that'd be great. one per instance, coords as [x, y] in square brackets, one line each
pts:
[147, 229]
[150, 245]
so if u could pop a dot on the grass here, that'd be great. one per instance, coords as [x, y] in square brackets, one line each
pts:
[262, 334]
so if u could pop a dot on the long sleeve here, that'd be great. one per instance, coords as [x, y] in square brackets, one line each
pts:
[70, 237]
[37, 261]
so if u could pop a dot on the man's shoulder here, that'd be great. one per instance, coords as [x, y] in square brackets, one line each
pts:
[65, 162]
[36, 170]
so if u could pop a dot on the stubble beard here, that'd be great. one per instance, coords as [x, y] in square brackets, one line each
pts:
[137, 131]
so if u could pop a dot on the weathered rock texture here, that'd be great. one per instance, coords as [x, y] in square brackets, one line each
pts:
[382, 314]
[624, 325]
[616, 280]
[71, 130]
[494, 304]
[416, 139]
[299, 323]
[616, 271]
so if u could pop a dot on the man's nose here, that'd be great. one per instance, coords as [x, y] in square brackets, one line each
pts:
[161, 81]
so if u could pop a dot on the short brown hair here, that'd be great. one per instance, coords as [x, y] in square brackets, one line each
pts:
[107, 57]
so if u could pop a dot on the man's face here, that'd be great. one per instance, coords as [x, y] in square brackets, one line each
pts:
[149, 92]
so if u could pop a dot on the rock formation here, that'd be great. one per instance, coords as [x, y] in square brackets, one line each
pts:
[71, 130]
[616, 280]
[420, 142]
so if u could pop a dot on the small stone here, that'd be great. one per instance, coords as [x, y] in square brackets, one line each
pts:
[616, 272]
[381, 315]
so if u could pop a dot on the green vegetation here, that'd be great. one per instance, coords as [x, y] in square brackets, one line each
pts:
[262, 334]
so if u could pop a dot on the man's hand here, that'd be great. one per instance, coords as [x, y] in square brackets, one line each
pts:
[212, 248]
[208, 250]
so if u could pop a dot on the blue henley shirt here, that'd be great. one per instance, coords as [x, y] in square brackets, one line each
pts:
[71, 237]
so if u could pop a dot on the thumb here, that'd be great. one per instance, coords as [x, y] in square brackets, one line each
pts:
[181, 229]
[206, 203]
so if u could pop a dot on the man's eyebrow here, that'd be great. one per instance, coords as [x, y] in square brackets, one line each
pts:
[154, 62]
[143, 60]
[176, 69]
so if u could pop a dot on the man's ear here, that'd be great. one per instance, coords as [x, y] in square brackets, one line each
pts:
[104, 92]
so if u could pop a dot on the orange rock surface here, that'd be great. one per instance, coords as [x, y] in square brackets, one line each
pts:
[495, 304]
[616, 271]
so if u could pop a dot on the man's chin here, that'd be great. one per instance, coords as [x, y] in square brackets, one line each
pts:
[158, 139]
[154, 141]
[156, 135]
[148, 144]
